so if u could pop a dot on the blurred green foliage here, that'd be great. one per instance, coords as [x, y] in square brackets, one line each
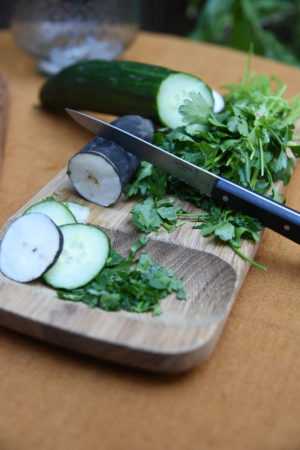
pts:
[271, 26]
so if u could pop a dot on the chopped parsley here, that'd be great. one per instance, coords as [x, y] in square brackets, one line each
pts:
[133, 284]
[154, 213]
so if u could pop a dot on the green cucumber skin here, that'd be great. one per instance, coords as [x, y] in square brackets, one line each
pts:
[112, 87]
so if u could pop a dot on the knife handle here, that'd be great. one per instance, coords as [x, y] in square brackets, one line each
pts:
[274, 215]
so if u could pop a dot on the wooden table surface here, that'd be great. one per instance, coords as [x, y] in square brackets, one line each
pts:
[245, 396]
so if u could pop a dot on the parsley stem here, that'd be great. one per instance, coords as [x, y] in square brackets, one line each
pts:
[234, 168]
[245, 77]
[229, 160]
[245, 258]
[254, 178]
[171, 228]
[262, 162]
[216, 160]
[194, 215]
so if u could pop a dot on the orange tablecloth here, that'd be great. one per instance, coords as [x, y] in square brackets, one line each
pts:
[245, 396]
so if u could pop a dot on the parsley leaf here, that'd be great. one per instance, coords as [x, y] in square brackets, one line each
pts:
[152, 213]
[196, 109]
[149, 181]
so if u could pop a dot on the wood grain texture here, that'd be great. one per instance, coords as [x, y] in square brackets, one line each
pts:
[4, 111]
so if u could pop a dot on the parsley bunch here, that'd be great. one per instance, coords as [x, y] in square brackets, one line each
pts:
[246, 143]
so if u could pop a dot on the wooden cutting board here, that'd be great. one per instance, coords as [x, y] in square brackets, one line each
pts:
[183, 336]
[4, 109]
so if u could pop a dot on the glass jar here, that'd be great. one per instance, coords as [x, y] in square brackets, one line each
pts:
[59, 33]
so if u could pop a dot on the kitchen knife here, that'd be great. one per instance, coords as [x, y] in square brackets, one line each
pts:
[274, 215]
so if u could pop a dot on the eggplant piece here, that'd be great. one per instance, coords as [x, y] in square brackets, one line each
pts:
[102, 169]
[30, 247]
[140, 127]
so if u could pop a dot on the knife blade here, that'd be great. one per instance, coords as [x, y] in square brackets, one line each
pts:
[273, 215]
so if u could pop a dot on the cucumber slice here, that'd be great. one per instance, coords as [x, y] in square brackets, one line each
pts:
[84, 254]
[219, 102]
[30, 246]
[172, 93]
[53, 209]
[80, 212]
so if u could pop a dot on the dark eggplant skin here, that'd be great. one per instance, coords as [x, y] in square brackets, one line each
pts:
[61, 244]
[114, 154]
[138, 126]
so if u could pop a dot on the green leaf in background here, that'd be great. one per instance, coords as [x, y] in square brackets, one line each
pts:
[214, 19]
[272, 26]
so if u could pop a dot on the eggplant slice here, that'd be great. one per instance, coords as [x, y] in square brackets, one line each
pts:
[30, 246]
[102, 169]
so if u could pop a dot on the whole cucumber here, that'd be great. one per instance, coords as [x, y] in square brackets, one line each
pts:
[123, 87]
